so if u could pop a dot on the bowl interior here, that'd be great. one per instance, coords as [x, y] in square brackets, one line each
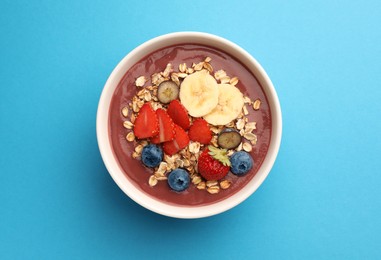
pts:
[104, 139]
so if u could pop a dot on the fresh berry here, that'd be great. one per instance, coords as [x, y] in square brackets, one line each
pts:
[229, 138]
[241, 163]
[180, 142]
[146, 123]
[178, 180]
[200, 131]
[179, 114]
[167, 91]
[213, 163]
[166, 127]
[152, 155]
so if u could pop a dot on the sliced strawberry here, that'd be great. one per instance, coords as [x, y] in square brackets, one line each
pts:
[166, 127]
[179, 114]
[200, 131]
[180, 142]
[146, 123]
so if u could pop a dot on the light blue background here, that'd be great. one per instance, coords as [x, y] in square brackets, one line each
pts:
[321, 200]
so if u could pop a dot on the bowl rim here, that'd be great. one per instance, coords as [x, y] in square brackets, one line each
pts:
[107, 154]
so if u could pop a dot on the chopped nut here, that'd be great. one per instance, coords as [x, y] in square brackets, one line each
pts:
[247, 147]
[128, 124]
[257, 104]
[125, 111]
[234, 81]
[190, 70]
[152, 181]
[130, 136]
[140, 81]
[213, 189]
[211, 183]
[225, 184]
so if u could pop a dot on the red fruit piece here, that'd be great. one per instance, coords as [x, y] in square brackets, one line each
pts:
[166, 128]
[200, 131]
[180, 142]
[179, 114]
[213, 163]
[146, 123]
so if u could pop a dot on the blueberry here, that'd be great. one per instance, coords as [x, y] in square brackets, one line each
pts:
[241, 163]
[178, 179]
[152, 155]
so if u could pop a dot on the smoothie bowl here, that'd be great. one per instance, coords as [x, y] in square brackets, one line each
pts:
[189, 125]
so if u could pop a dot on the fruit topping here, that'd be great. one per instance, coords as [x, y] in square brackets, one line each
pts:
[179, 114]
[180, 142]
[229, 138]
[166, 127]
[213, 163]
[241, 163]
[178, 180]
[200, 132]
[167, 91]
[146, 123]
[230, 103]
[199, 93]
[152, 155]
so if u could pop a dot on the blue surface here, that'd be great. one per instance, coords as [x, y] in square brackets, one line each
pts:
[322, 198]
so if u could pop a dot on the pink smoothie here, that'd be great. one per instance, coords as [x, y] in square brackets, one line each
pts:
[156, 62]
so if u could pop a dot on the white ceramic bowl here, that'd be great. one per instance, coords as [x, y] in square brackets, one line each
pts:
[103, 117]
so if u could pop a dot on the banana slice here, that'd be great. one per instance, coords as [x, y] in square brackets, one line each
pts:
[199, 93]
[230, 103]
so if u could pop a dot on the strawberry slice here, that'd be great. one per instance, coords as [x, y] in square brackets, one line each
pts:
[180, 142]
[179, 114]
[146, 123]
[166, 128]
[200, 131]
